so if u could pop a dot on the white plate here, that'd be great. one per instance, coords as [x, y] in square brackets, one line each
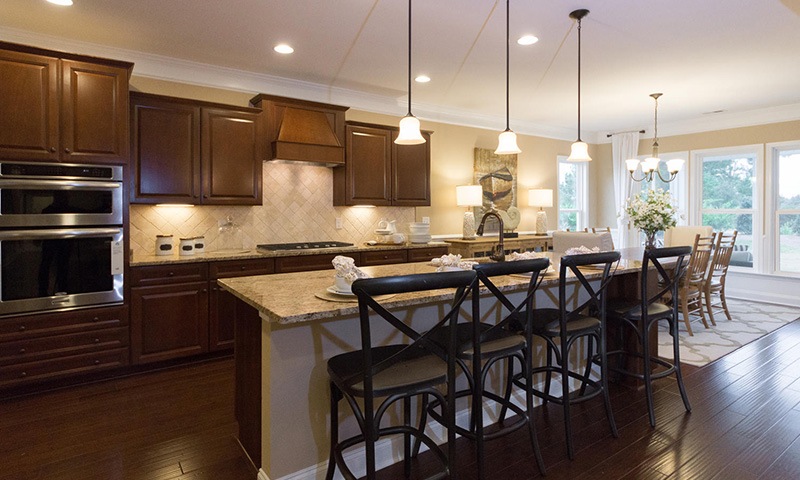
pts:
[332, 289]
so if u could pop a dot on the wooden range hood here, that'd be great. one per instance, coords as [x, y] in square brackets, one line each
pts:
[302, 131]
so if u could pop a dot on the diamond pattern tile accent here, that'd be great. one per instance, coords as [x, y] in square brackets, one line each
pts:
[298, 207]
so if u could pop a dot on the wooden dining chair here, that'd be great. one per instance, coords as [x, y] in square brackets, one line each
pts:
[603, 230]
[690, 293]
[714, 282]
[396, 372]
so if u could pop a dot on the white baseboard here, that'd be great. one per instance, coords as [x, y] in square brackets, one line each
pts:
[389, 450]
[777, 289]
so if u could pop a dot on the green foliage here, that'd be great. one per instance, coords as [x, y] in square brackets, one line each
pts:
[728, 183]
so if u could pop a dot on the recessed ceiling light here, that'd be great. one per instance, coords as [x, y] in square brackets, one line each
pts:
[283, 48]
[65, 3]
[423, 79]
[528, 40]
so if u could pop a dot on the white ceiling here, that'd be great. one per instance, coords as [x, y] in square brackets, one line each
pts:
[740, 56]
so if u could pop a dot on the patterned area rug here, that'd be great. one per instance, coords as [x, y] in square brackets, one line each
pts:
[751, 320]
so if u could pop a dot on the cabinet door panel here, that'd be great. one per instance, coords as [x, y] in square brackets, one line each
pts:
[221, 314]
[232, 157]
[28, 106]
[94, 113]
[411, 173]
[368, 166]
[166, 151]
[169, 321]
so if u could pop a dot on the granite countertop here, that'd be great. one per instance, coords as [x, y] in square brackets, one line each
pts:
[276, 296]
[143, 260]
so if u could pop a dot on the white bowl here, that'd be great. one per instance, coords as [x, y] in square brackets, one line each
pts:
[341, 284]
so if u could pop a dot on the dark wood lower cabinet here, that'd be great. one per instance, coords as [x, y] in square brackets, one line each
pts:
[221, 314]
[169, 321]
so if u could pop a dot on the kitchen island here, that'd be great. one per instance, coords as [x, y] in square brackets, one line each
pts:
[285, 335]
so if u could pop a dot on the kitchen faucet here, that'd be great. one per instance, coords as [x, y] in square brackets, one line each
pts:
[498, 252]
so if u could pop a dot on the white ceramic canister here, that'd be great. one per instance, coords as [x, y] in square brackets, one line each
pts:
[186, 246]
[199, 244]
[164, 245]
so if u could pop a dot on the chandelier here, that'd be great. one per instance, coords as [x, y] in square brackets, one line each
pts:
[650, 165]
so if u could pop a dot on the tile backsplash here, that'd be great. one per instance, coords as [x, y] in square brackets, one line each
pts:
[298, 207]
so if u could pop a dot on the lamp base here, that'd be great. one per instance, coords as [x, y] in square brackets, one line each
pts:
[541, 223]
[468, 227]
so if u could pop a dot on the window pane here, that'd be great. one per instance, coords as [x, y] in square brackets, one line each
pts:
[727, 222]
[790, 243]
[568, 220]
[567, 185]
[728, 182]
[788, 186]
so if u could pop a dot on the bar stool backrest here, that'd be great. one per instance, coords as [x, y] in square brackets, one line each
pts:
[534, 267]
[367, 289]
[668, 282]
[597, 295]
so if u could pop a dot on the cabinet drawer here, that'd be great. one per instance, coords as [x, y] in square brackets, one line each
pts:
[31, 326]
[384, 257]
[241, 268]
[166, 274]
[63, 345]
[304, 263]
[425, 254]
[53, 368]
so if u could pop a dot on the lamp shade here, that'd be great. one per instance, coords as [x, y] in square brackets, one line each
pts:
[675, 165]
[469, 195]
[507, 144]
[649, 164]
[632, 164]
[579, 153]
[409, 132]
[540, 197]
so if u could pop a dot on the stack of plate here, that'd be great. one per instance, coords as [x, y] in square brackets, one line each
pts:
[419, 232]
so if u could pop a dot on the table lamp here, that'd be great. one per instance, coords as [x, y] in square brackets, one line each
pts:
[469, 196]
[540, 197]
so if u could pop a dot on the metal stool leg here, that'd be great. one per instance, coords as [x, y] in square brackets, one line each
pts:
[335, 396]
[565, 397]
[677, 356]
[549, 374]
[648, 387]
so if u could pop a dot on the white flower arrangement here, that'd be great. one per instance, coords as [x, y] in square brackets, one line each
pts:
[651, 211]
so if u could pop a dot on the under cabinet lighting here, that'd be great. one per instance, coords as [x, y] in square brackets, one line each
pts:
[63, 3]
[283, 48]
[174, 205]
[527, 40]
[363, 206]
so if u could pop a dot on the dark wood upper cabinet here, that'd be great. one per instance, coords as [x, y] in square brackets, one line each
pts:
[411, 173]
[185, 151]
[94, 113]
[165, 151]
[62, 107]
[29, 106]
[232, 157]
[379, 172]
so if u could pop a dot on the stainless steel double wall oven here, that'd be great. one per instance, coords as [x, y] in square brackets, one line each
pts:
[61, 243]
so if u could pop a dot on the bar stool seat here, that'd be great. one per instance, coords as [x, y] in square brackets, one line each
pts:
[546, 322]
[633, 309]
[499, 341]
[420, 370]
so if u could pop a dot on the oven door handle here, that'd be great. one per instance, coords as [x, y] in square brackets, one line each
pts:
[58, 233]
[57, 184]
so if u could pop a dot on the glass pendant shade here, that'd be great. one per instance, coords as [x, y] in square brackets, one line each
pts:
[507, 143]
[649, 164]
[675, 165]
[409, 132]
[579, 153]
[632, 164]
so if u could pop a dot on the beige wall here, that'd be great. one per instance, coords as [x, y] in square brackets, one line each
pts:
[452, 156]
[758, 134]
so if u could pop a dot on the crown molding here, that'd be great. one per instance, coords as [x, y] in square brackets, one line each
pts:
[722, 121]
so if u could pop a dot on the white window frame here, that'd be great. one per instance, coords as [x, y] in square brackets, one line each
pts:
[757, 211]
[581, 196]
[772, 220]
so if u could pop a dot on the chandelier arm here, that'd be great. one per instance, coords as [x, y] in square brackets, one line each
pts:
[672, 176]
[637, 179]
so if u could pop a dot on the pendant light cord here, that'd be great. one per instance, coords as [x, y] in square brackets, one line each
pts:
[508, 61]
[409, 58]
[579, 79]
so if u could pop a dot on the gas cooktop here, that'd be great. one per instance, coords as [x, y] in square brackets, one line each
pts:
[303, 246]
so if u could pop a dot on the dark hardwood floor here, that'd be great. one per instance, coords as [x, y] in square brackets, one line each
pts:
[178, 423]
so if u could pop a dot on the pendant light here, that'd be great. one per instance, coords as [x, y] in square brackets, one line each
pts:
[580, 150]
[507, 140]
[409, 125]
[650, 164]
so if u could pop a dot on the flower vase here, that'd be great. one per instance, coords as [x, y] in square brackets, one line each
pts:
[650, 242]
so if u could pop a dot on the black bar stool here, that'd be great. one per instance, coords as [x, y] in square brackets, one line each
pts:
[640, 315]
[496, 342]
[566, 326]
[397, 372]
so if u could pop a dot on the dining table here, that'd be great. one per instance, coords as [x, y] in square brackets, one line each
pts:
[288, 325]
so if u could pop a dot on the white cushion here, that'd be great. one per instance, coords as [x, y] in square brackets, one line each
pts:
[685, 235]
[562, 241]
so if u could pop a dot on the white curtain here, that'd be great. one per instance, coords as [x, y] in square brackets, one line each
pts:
[623, 147]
